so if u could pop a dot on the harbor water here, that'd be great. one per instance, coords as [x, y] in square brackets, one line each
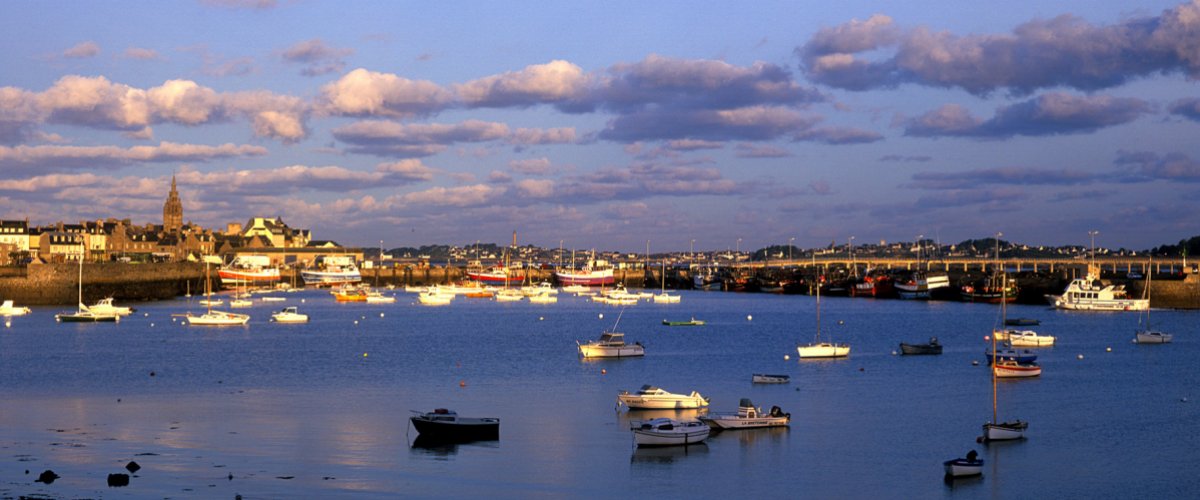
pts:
[321, 409]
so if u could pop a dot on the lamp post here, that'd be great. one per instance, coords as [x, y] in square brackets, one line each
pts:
[1093, 234]
[853, 265]
[691, 252]
[790, 241]
[919, 245]
[739, 250]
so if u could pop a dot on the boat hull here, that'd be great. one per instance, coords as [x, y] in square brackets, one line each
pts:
[1152, 337]
[732, 421]
[679, 434]
[326, 278]
[87, 318]
[1018, 370]
[920, 349]
[234, 277]
[217, 318]
[461, 431]
[1006, 431]
[498, 278]
[673, 402]
[763, 378]
[592, 278]
[961, 467]
[625, 351]
[823, 350]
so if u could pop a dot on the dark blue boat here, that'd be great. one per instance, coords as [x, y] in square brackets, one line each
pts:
[1023, 356]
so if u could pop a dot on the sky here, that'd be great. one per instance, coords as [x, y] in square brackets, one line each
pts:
[611, 125]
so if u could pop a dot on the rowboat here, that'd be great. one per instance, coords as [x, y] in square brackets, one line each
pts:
[669, 432]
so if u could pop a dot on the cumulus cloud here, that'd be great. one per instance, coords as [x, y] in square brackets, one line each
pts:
[1062, 51]
[316, 57]
[1048, 114]
[66, 157]
[388, 138]
[367, 93]
[553, 82]
[531, 166]
[408, 169]
[749, 150]
[534, 136]
[82, 51]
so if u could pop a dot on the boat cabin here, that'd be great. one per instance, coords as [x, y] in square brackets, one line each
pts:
[612, 339]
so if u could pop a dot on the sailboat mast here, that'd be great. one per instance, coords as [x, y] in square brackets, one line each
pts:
[1003, 317]
[82, 250]
[818, 311]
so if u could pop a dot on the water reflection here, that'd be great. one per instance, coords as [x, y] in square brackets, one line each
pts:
[751, 437]
[442, 449]
[667, 454]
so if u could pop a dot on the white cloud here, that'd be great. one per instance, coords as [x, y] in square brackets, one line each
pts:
[82, 51]
[366, 93]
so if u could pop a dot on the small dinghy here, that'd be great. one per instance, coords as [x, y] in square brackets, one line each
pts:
[764, 378]
[446, 426]
[669, 432]
[933, 347]
[964, 467]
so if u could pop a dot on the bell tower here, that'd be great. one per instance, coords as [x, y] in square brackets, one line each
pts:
[173, 210]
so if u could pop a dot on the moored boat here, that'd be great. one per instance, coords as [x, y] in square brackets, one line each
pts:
[651, 397]
[610, 345]
[1029, 338]
[1146, 334]
[765, 378]
[289, 315]
[332, 270]
[593, 273]
[933, 347]
[444, 425]
[105, 306]
[819, 349]
[964, 467]
[748, 416]
[669, 432]
[8, 309]
[1090, 294]
[248, 270]
[691, 322]
[1007, 368]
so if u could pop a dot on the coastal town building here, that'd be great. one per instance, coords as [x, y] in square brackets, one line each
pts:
[60, 246]
[173, 210]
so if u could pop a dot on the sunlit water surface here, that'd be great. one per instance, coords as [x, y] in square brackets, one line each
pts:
[321, 409]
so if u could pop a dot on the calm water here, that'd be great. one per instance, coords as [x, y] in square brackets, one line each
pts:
[321, 409]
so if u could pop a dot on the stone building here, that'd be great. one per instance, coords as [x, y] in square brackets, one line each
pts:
[172, 210]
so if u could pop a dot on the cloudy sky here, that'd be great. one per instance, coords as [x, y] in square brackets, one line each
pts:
[608, 124]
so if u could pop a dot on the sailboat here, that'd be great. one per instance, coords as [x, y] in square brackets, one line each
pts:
[663, 297]
[508, 295]
[1149, 335]
[996, 430]
[214, 318]
[83, 314]
[819, 349]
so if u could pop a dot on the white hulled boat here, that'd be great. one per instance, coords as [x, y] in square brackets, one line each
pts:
[105, 306]
[1146, 334]
[1028, 338]
[995, 430]
[747, 417]
[1090, 294]
[593, 273]
[248, 270]
[375, 297]
[610, 345]
[964, 467]
[83, 314]
[332, 270]
[651, 397]
[819, 349]
[8, 309]
[289, 315]
[211, 317]
[669, 432]
[1009, 368]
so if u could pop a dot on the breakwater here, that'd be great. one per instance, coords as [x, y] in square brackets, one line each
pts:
[58, 284]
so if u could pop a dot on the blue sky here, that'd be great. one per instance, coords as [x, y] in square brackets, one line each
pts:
[605, 125]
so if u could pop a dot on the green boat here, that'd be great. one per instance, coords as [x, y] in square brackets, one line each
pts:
[692, 322]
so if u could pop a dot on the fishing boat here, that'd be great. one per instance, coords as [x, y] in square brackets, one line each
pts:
[920, 284]
[211, 317]
[964, 467]
[764, 378]
[610, 345]
[1028, 338]
[248, 270]
[653, 398]
[691, 322]
[1008, 368]
[933, 347]
[349, 294]
[332, 270]
[289, 315]
[83, 314]
[873, 284]
[819, 349]
[1145, 334]
[496, 275]
[444, 425]
[747, 417]
[8, 309]
[669, 432]
[593, 273]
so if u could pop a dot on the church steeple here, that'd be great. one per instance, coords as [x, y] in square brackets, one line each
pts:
[173, 210]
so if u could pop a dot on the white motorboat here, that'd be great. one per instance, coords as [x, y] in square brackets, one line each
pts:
[610, 345]
[543, 298]
[1090, 294]
[669, 432]
[747, 417]
[764, 378]
[964, 467]
[819, 349]
[241, 303]
[374, 297]
[666, 298]
[507, 295]
[289, 315]
[651, 397]
[273, 299]
[1029, 338]
[435, 298]
[8, 309]
[539, 289]
[105, 306]
[211, 302]
[575, 289]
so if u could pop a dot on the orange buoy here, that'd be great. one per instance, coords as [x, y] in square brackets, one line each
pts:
[603, 371]
[462, 383]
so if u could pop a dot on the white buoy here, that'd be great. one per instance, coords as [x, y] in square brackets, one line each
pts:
[749, 318]
[7, 323]
[601, 315]
[380, 315]
[975, 363]
[541, 318]
[1079, 356]
[841, 322]
[146, 315]
[893, 353]
[151, 325]
[1107, 349]
[786, 357]
[356, 321]
[301, 301]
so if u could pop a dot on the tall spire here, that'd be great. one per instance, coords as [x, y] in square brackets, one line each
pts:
[173, 210]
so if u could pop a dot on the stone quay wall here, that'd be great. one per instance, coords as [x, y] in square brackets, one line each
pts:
[58, 284]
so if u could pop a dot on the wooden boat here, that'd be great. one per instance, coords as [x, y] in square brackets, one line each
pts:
[1146, 334]
[8, 309]
[669, 432]
[610, 345]
[819, 349]
[748, 416]
[691, 322]
[289, 315]
[763, 378]
[933, 347]
[1007, 368]
[444, 425]
[651, 397]
[964, 467]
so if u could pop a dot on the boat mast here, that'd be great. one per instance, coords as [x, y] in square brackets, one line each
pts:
[995, 359]
[82, 250]
[818, 311]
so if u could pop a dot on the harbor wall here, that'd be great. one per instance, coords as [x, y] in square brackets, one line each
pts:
[58, 283]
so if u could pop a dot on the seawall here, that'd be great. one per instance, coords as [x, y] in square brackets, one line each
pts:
[51, 284]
